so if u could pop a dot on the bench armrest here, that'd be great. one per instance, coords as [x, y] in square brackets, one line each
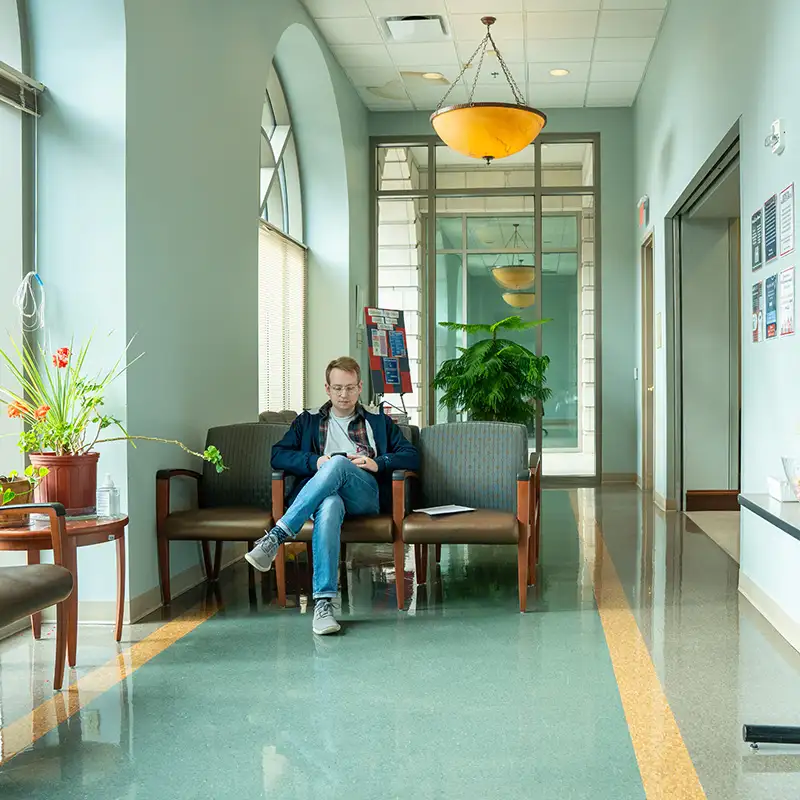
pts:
[401, 497]
[163, 478]
[58, 523]
[166, 474]
[278, 494]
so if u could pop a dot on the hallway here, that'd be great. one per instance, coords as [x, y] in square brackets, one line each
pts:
[630, 677]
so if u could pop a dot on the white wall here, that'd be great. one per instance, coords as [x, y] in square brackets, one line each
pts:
[707, 377]
[716, 62]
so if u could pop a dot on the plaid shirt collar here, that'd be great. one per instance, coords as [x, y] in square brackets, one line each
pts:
[357, 431]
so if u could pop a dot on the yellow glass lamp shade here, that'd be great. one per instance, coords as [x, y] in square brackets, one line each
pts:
[516, 276]
[488, 130]
[520, 299]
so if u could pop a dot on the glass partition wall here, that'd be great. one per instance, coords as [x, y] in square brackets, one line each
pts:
[444, 223]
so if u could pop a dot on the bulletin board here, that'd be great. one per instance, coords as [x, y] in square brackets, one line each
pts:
[389, 368]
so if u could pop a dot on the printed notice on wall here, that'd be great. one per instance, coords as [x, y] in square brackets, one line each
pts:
[771, 317]
[771, 228]
[787, 220]
[757, 237]
[787, 301]
[758, 311]
[379, 343]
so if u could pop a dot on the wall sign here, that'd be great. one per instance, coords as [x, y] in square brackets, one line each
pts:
[758, 311]
[771, 228]
[787, 301]
[757, 239]
[771, 288]
[787, 220]
[389, 368]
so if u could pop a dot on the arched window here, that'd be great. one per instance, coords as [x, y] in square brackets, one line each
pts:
[280, 177]
[282, 262]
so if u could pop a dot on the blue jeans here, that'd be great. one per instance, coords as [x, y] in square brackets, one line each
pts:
[337, 489]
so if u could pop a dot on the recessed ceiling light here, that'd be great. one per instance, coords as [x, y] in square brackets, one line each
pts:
[559, 73]
[433, 76]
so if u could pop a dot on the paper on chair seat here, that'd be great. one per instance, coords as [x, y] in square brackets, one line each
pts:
[435, 511]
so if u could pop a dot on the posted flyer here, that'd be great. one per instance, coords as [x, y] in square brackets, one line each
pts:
[758, 311]
[787, 301]
[787, 220]
[757, 238]
[771, 228]
[771, 291]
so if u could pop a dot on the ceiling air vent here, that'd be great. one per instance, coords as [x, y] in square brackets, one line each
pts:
[417, 28]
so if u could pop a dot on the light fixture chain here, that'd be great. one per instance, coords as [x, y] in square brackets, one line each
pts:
[463, 70]
[486, 40]
[518, 96]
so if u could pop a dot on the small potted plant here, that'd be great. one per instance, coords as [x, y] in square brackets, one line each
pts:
[62, 407]
[16, 489]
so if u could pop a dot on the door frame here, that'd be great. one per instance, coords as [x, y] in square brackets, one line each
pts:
[647, 382]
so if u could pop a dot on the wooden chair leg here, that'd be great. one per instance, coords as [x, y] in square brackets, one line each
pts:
[217, 560]
[34, 557]
[163, 570]
[120, 588]
[420, 578]
[343, 553]
[280, 575]
[424, 561]
[399, 574]
[207, 560]
[61, 645]
[438, 554]
[531, 561]
[522, 573]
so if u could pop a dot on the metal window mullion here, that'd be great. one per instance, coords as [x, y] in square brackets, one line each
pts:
[537, 264]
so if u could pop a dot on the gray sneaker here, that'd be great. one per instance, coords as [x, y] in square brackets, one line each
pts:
[324, 621]
[264, 552]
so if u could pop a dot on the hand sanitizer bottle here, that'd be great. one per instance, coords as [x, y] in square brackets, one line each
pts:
[108, 498]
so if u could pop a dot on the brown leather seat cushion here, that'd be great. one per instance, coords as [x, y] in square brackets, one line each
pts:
[231, 524]
[358, 530]
[472, 527]
[25, 590]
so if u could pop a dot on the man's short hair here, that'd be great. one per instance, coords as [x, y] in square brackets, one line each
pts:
[346, 364]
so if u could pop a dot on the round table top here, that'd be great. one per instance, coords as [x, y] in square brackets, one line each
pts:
[92, 530]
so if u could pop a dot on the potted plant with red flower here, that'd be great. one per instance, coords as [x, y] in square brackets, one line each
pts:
[62, 407]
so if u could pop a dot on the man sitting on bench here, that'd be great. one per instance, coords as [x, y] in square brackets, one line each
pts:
[343, 457]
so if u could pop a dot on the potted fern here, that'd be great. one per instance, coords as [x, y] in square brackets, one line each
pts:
[495, 379]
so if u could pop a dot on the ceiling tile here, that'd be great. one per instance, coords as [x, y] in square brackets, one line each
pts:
[431, 99]
[450, 73]
[549, 95]
[618, 71]
[373, 99]
[403, 8]
[611, 5]
[562, 5]
[512, 51]
[483, 7]
[494, 94]
[492, 75]
[420, 55]
[629, 23]
[623, 49]
[336, 8]
[612, 94]
[551, 50]
[562, 24]
[352, 30]
[468, 26]
[371, 76]
[540, 72]
[362, 55]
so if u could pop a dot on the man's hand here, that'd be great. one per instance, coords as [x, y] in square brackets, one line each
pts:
[321, 460]
[365, 463]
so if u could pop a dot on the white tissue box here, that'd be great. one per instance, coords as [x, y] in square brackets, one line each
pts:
[779, 489]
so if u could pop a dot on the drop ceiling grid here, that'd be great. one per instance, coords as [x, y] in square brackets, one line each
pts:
[606, 45]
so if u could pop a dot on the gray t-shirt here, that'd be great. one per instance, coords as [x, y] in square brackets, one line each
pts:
[338, 439]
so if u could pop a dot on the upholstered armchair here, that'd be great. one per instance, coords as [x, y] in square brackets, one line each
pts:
[486, 466]
[232, 506]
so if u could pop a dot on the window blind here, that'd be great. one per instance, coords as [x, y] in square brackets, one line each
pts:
[19, 90]
[282, 271]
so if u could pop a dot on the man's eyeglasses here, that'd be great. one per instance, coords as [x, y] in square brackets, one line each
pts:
[344, 389]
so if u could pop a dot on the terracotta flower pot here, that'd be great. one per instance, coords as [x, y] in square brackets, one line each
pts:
[22, 487]
[72, 481]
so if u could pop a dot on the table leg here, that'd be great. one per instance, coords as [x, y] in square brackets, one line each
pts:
[34, 557]
[71, 563]
[120, 585]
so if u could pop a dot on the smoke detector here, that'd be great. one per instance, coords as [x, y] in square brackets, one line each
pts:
[416, 28]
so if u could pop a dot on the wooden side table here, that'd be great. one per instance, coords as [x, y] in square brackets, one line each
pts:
[80, 533]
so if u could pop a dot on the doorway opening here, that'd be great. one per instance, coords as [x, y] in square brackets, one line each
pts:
[706, 327]
[648, 371]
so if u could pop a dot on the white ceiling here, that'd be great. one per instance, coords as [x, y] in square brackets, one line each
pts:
[605, 44]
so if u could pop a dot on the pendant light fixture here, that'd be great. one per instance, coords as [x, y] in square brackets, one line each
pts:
[487, 130]
[516, 276]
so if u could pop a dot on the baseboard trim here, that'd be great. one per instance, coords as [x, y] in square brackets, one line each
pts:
[619, 477]
[712, 500]
[770, 610]
[664, 504]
